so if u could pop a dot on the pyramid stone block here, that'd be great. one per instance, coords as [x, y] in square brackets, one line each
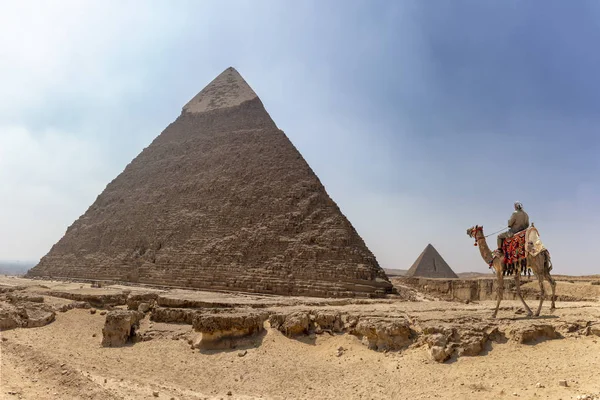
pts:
[220, 200]
[430, 264]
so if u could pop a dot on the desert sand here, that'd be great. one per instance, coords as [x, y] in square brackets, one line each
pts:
[520, 357]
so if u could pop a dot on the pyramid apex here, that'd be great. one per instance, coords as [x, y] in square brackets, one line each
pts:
[228, 89]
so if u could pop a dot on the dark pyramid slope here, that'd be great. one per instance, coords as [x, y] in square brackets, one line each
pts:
[221, 200]
[430, 264]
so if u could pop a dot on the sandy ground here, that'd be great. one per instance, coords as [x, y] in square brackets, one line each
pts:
[65, 360]
[58, 361]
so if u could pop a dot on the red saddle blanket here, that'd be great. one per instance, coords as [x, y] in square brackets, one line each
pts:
[514, 248]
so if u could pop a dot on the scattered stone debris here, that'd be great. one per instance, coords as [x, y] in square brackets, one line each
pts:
[242, 353]
[155, 393]
[562, 383]
[92, 311]
[73, 305]
[588, 397]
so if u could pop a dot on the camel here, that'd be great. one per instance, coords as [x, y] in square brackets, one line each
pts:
[539, 264]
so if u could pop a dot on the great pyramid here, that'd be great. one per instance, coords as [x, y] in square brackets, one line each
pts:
[220, 200]
[430, 264]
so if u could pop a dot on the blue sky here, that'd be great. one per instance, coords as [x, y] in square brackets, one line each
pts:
[421, 118]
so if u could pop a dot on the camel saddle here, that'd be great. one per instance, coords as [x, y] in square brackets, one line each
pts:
[514, 248]
[517, 247]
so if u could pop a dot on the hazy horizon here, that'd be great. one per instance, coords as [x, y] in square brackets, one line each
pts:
[421, 121]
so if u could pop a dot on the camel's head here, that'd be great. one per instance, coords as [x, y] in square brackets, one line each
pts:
[474, 230]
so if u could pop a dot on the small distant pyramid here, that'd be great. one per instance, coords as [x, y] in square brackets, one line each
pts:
[430, 264]
[220, 200]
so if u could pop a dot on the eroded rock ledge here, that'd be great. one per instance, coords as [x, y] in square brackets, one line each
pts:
[219, 329]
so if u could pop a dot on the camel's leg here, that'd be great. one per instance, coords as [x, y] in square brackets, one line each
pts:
[552, 286]
[538, 269]
[542, 294]
[518, 283]
[500, 271]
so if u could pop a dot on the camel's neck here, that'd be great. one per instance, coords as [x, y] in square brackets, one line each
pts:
[484, 249]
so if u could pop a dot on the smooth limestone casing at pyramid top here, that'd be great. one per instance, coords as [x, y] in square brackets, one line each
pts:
[220, 200]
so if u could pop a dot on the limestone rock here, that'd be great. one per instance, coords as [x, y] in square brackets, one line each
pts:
[74, 304]
[134, 300]
[533, 332]
[223, 330]
[382, 334]
[25, 315]
[173, 315]
[439, 353]
[9, 317]
[36, 317]
[144, 307]
[294, 324]
[327, 321]
[99, 300]
[24, 297]
[120, 327]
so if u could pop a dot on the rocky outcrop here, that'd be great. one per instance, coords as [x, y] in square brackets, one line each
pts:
[376, 333]
[135, 299]
[294, 324]
[98, 300]
[173, 315]
[475, 289]
[220, 200]
[460, 289]
[445, 341]
[177, 302]
[533, 332]
[120, 327]
[74, 304]
[328, 321]
[384, 334]
[220, 331]
[25, 315]
[24, 297]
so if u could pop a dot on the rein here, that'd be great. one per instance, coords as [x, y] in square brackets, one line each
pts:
[480, 229]
[495, 232]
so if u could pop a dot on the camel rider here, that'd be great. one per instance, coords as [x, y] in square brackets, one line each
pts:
[519, 220]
